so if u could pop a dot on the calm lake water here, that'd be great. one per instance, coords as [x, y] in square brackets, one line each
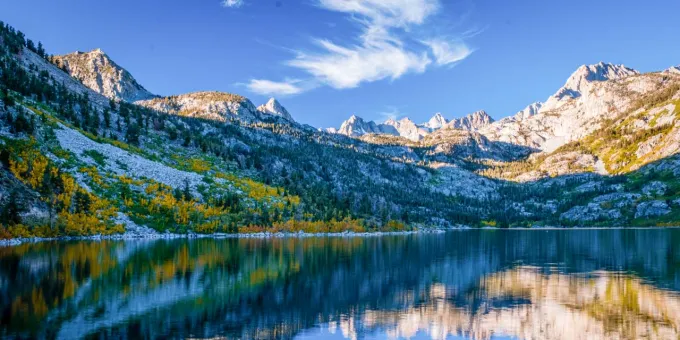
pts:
[490, 284]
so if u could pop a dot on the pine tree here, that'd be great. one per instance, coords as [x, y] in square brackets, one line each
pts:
[82, 202]
[186, 193]
[107, 118]
[132, 134]
[11, 212]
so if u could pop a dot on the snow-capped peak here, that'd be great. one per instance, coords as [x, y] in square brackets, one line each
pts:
[273, 107]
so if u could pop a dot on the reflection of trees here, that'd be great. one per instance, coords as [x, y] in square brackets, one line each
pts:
[278, 287]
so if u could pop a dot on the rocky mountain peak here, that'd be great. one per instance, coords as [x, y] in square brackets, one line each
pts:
[471, 122]
[98, 72]
[354, 118]
[273, 107]
[391, 121]
[436, 122]
[405, 127]
[529, 111]
[586, 74]
[673, 70]
[354, 126]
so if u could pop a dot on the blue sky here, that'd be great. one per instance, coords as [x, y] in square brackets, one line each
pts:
[327, 59]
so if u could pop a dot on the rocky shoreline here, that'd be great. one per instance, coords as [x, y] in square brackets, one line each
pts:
[130, 236]
[168, 236]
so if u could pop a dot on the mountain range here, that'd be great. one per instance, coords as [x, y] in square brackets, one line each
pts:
[88, 150]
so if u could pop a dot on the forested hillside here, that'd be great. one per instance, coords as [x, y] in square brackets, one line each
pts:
[86, 150]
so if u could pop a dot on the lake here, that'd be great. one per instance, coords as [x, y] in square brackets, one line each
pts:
[472, 284]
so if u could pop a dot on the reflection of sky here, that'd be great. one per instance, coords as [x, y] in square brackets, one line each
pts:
[322, 332]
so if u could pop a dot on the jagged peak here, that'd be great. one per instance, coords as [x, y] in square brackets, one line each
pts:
[582, 79]
[273, 107]
[101, 74]
[529, 111]
[354, 118]
[472, 121]
[480, 113]
[672, 70]
[436, 122]
[438, 116]
[597, 72]
[481, 116]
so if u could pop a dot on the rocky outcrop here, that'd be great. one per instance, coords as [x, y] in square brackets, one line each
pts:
[652, 209]
[98, 72]
[654, 188]
[590, 213]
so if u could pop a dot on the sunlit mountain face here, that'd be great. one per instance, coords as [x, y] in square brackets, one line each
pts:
[579, 284]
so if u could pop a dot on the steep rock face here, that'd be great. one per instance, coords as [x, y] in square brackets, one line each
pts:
[591, 95]
[437, 121]
[471, 122]
[449, 144]
[273, 107]
[528, 111]
[407, 129]
[98, 72]
[356, 126]
[581, 82]
[218, 106]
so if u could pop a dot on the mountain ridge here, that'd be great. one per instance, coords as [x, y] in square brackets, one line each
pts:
[209, 162]
[96, 70]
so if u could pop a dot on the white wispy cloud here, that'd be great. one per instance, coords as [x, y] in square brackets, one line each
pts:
[391, 113]
[232, 3]
[394, 13]
[448, 52]
[390, 44]
[268, 87]
[343, 67]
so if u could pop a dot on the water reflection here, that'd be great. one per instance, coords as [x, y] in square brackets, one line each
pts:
[471, 284]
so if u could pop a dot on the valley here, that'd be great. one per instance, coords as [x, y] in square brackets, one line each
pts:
[87, 150]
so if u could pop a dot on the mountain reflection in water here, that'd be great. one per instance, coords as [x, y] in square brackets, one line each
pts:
[571, 284]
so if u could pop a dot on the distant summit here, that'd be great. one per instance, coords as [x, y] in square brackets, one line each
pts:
[471, 122]
[436, 122]
[273, 107]
[405, 127]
